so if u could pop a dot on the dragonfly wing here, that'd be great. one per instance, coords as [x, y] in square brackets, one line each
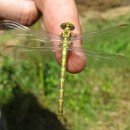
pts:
[107, 59]
[24, 52]
[21, 42]
[110, 46]
[19, 31]
[95, 59]
[9, 25]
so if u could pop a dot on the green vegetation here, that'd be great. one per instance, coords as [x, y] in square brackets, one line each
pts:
[96, 99]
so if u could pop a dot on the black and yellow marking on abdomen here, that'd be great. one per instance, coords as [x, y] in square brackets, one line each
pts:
[61, 85]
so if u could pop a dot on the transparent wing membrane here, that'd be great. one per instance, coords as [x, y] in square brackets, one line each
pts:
[24, 52]
[9, 25]
[17, 30]
[110, 46]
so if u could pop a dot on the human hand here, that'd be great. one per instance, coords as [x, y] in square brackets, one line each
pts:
[55, 12]
[21, 11]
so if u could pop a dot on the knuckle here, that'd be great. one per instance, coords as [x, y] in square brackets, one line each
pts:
[28, 16]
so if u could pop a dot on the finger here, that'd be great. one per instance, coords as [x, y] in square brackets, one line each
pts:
[56, 13]
[21, 11]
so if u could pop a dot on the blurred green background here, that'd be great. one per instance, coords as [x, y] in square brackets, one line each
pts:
[96, 99]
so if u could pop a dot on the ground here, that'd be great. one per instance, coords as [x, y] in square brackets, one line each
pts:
[101, 4]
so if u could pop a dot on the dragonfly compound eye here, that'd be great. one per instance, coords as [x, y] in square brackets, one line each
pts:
[67, 24]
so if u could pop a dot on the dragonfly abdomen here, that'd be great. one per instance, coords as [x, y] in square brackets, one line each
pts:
[61, 85]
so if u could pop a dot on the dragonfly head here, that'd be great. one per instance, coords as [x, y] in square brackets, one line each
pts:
[68, 25]
[67, 28]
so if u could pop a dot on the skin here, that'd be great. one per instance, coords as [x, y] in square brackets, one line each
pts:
[27, 12]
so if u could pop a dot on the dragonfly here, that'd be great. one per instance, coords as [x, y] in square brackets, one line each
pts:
[103, 45]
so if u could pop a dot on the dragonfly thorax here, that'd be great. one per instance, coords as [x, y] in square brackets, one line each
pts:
[66, 34]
